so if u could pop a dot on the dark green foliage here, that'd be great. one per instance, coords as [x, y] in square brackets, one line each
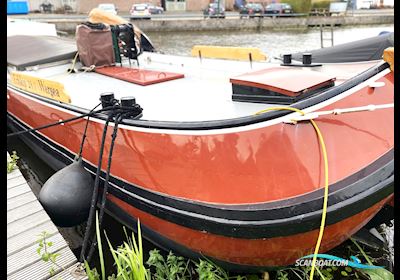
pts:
[45, 254]
[299, 6]
[12, 163]
[173, 268]
[321, 4]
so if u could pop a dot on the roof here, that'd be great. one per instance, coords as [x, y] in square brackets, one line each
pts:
[24, 51]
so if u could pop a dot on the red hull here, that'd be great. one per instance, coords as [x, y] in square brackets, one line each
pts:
[279, 251]
[203, 167]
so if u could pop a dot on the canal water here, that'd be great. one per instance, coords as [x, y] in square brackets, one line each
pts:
[273, 43]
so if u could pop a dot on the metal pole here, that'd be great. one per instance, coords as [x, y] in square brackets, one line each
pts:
[321, 35]
[332, 34]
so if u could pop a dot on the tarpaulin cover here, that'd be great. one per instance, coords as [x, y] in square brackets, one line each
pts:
[24, 51]
[362, 50]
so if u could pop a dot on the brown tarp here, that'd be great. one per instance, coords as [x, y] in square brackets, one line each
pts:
[95, 46]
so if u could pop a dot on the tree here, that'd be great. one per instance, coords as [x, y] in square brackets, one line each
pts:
[300, 6]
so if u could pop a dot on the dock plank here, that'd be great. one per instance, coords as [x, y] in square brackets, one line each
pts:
[15, 173]
[26, 220]
[26, 223]
[40, 269]
[29, 255]
[16, 181]
[70, 274]
[27, 238]
[18, 190]
[20, 200]
[23, 211]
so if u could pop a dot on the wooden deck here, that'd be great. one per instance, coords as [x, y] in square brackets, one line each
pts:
[26, 220]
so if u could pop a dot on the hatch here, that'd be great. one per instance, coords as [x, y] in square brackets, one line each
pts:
[280, 85]
[138, 76]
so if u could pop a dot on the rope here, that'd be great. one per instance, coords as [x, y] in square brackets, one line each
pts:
[90, 113]
[59, 122]
[119, 111]
[118, 119]
[88, 69]
[95, 192]
[119, 114]
[73, 63]
[84, 132]
[326, 183]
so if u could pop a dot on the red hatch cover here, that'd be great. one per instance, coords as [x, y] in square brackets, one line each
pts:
[290, 82]
[138, 76]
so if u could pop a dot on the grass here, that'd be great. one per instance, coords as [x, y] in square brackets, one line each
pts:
[12, 163]
[129, 265]
[172, 268]
[128, 259]
[45, 254]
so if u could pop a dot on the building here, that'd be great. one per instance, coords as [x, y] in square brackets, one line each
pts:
[85, 6]
[168, 5]
[57, 5]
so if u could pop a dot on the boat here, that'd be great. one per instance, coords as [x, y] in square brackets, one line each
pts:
[213, 164]
[31, 28]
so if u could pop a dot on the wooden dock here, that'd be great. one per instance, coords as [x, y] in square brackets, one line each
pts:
[26, 220]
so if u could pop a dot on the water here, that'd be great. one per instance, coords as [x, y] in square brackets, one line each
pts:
[272, 43]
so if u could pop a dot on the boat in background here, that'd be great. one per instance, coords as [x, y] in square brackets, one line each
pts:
[29, 28]
[206, 170]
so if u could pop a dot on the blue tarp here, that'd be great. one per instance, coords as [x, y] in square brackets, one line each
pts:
[17, 7]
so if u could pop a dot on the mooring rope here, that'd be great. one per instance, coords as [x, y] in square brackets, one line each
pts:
[118, 119]
[119, 114]
[95, 192]
[91, 113]
[85, 131]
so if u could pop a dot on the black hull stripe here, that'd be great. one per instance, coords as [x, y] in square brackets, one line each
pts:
[268, 228]
[259, 228]
[167, 244]
[218, 124]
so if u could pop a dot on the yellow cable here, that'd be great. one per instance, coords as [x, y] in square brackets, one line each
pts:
[280, 108]
[69, 71]
[325, 207]
[325, 156]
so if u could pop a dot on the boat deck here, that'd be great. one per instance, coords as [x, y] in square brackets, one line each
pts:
[203, 94]
[26, 220]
